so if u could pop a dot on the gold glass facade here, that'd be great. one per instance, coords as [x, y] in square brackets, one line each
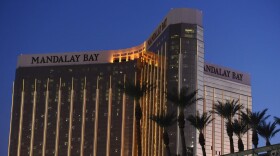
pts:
[74, 113]
[79, 110]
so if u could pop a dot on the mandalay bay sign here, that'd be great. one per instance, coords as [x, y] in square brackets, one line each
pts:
[57, 59]
[64, 58]
[226, 73]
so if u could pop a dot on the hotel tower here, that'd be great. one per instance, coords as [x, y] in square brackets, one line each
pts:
[70, 103]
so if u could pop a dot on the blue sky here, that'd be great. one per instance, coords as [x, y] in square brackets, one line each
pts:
[240, 34]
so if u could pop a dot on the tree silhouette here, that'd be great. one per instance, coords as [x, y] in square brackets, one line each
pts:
[240, 128]
[165, 121]
[227, 111]
[267, 131]
[137, 91]
[200, 122]
[253, 119]
[182, 100]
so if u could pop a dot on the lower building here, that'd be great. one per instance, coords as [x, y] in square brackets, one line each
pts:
[221, 84]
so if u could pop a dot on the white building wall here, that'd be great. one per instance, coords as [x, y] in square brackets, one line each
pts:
[218, 89]
[200, 81]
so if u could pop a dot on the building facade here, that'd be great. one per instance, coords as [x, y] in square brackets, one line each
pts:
[69, 103]
[221, 84]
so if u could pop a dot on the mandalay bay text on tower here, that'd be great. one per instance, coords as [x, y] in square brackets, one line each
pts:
[69, 103]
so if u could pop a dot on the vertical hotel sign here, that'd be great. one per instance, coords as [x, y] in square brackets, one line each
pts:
[158, 31]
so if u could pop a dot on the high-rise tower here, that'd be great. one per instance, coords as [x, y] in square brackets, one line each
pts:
[69, 103]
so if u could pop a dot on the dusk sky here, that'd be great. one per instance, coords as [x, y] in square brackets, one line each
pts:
[239, 34]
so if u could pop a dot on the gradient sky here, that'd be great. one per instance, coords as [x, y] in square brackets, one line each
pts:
[240, 34]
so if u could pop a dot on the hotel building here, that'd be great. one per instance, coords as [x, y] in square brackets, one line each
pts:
[69, 103]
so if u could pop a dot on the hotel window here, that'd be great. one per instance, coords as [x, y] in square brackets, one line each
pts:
[123, 59]
[189, 31]
[116, 60]
[175, 36]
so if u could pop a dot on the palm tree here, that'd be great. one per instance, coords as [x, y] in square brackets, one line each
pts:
[267, 131]
[200, 122]
[165, 121]
[137, 91]
[182, 100]
[239, 129]
[253, 119]
[227, 111]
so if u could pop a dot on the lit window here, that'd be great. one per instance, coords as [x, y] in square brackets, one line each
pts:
[189, 31]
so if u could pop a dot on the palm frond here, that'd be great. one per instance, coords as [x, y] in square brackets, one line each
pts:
[245, 117]
[135, 90]
[258, 117]
[164, 120]
[261, 114]
[275, 132]
[200, 122]
[182, 99]
[277, 120]
[267, 130]
[240, 127]
[173, 96]
[228, 109]
[254, 118]
[236, 107]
